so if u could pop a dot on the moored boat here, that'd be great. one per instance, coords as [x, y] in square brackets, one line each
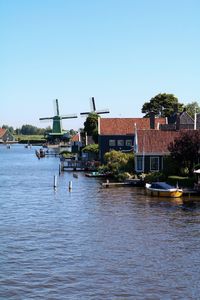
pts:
[163, 189]
[97, 174]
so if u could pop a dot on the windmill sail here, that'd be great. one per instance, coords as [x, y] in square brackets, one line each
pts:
[57, 120]
[93, 109]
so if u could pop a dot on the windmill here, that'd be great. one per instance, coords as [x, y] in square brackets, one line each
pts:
[57, 131]
[93, 109]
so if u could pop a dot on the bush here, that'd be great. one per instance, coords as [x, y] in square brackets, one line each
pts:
[155, 176]
[93, 148]
[170, 166]
[118, 162]
[182, 181]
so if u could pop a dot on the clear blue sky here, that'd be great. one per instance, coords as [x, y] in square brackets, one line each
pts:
[122, 52]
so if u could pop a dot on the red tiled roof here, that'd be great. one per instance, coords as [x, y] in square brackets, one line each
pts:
[76, 138]
[124, 126]
[155, 141]
[2, 131]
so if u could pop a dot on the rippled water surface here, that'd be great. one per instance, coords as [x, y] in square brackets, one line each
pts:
[92, 242]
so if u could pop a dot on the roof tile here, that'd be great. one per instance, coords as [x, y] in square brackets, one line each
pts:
[125, 126]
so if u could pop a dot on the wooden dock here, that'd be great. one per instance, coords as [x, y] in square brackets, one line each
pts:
[76, 165]
[132, 182]
[190, 192]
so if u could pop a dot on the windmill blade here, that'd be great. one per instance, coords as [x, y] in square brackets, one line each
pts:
[102, 111]
[92, 104]
[85, 113]
[57, 107]
[69, 116]
[48, 118]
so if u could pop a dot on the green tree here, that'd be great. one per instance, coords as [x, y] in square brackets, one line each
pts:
[10, 128]
[192, 107]
[163, 105]
[91, 126]
[72, 132]
[186, 149]
[93, 148]
[118, 162]
[29, 130]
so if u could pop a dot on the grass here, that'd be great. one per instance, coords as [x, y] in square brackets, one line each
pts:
[30, 138]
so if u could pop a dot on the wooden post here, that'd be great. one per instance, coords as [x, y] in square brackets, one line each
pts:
[70, 186]
[59, 169]
[55, 181]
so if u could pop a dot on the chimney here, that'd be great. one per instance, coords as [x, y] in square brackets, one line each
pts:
[152, 120]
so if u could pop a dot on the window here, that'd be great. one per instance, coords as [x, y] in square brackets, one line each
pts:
[139, 163]
[112, 143]
[128, 143]
[154, 163]
[120, 143]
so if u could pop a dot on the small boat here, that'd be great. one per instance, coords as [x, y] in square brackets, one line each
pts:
[97, 174]
[40, 153]
[163, 189]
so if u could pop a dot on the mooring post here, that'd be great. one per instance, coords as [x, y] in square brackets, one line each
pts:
[70, 186]
[107, 183]
[55, 181]
[59, 169]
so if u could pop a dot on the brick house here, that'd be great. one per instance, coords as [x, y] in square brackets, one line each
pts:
[119, 133]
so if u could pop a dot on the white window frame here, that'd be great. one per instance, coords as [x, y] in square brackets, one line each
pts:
[142, 163]
[120, 141]
[129, 143]
[151, 158]
[112, 143]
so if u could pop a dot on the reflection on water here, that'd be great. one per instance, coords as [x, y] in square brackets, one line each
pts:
[92, 242]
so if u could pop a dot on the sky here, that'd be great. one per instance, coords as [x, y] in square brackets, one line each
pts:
[122, 52]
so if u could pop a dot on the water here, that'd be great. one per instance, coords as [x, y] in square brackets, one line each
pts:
[92, 242]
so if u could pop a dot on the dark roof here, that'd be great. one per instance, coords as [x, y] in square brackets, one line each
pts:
[125, 126]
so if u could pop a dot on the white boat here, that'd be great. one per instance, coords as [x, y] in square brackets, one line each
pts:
[162, 189]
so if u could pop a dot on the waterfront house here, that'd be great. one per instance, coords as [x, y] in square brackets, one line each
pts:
[119, 133]
[76, 143]
[6, 136]
[151, 148]
[179, 121]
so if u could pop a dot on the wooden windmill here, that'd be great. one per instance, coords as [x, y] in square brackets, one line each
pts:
[93, 109]
[57, 131]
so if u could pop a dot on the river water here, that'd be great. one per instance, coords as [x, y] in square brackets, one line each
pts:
[92, 242]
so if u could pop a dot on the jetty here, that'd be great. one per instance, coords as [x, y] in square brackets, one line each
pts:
[128, 182]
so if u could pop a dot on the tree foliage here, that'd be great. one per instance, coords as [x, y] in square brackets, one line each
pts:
[93, 148]
[186, 149]
[163, 105]
[117, 162]
[9, 128]
[91, 126]
[192, 107]
[29, 129]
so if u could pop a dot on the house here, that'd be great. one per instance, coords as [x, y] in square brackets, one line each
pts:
[76, 143]
[179, 121]
[6, 136]
[118, 133]
[152, 146]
